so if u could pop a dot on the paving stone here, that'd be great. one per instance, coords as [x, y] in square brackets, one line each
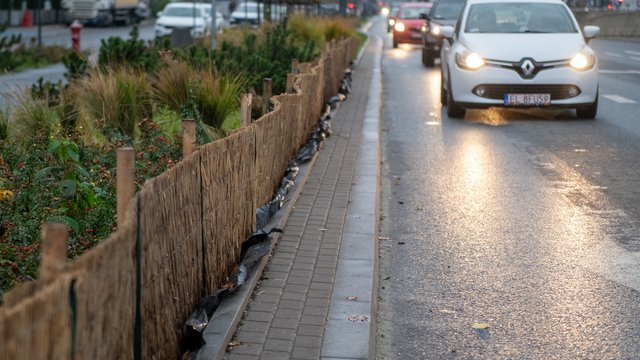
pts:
[310, 330]
[305, 353]
[280, 333]
[278, 345]
[309, 341]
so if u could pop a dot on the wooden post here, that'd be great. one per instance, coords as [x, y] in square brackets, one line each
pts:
[245, 110]
[125, 180]
[290, 79]
[266, 94]
[188, 137]
[295, 67]
[53, 250]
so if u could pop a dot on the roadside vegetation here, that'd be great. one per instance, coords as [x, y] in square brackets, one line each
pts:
[16, 54]
[58, 141]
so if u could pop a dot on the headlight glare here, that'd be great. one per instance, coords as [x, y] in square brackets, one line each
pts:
[392, 22]
[435, 30]
[584, 60]
[399, 27]
[469, 60]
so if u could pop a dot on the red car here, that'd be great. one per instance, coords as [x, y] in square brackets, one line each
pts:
[408, 26]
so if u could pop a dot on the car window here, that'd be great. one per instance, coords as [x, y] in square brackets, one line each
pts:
[519, 18]
[412, 12]
[447, 10]
[182, 11]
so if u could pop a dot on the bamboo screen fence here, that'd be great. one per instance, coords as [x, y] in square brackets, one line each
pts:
[129, 297]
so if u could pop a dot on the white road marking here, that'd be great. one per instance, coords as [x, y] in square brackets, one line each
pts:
[612, 54]
[632, 52]
[619, 99]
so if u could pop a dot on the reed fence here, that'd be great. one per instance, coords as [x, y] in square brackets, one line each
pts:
[179, 239]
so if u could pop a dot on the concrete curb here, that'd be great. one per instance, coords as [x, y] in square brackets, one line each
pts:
[351, 325]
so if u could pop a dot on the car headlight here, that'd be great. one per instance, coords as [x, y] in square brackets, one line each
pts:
[423, 28]
[399, 27]
[392, 22]
[435, 30]
[384, 11]
[584, 60]
[469, 60]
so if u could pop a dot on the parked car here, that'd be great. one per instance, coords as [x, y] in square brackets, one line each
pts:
[442, 13]
[519, 54]
[408, 25]
[247, 12]
[221, 23]
[193, 16]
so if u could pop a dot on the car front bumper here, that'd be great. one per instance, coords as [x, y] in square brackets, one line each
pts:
[554, 81]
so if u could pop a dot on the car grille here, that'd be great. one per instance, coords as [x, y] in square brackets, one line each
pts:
[557, 92]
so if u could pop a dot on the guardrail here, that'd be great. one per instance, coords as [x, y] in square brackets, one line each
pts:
[612, 23]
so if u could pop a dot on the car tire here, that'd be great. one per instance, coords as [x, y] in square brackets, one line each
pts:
[427, 58]
[395, 44]
[453, 110]
[443, 92]
[589, 111]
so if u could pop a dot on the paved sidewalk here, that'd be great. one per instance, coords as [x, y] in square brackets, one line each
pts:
[298, 310]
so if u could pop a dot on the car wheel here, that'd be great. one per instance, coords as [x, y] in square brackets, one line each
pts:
[453, 110]
[427, 58]
[395, 43]
[589, 111]
[443, 92]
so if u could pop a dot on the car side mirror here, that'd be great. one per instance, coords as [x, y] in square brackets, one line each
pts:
[424, 16]
[447, 32]
[590, 32]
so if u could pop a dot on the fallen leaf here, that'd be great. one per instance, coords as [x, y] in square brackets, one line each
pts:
[352, 298]
[383, 238]
[480, 326]
[401, 242]
[322, 229]
[358, 318]
[235, 343]
[420, 208]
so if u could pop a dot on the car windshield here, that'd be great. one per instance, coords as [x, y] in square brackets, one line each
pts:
[413, 12]
[186, 11]
[447, 10]
[519, 18]
[253, 7]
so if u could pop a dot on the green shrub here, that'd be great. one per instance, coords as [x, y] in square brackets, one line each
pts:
[4, 125]
[256, 59]
[77, 65]
[217, 96]
[131, 53]
[7, 61]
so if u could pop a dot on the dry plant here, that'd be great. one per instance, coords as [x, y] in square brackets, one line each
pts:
[31, 120]
[217, 96]
[171, 85]
[117, 99]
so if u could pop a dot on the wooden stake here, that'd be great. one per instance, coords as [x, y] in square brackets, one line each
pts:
[188, 137]
[125, 181]
[295, 67]
[266, 95]
[245, 110]
[290, 79]
[53, 250]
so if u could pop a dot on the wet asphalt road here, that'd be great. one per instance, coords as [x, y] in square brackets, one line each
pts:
[525, 224]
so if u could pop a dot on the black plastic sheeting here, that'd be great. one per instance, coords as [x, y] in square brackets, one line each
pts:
[259, 243]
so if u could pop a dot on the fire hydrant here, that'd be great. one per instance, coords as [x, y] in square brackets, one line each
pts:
[75, 35]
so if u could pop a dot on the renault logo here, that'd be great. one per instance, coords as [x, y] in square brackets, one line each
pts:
[527, 67]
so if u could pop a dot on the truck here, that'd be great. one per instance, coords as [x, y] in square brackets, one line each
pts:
[106, 12]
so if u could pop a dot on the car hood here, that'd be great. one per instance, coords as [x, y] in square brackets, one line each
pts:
[244, 15]
[180, 21]
[515, 47]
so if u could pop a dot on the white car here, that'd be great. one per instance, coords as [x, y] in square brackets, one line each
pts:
[193, 16]
[514, 53]
[247, 12]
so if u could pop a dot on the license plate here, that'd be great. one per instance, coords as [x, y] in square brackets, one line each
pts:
[527, 99]
[416, 36]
